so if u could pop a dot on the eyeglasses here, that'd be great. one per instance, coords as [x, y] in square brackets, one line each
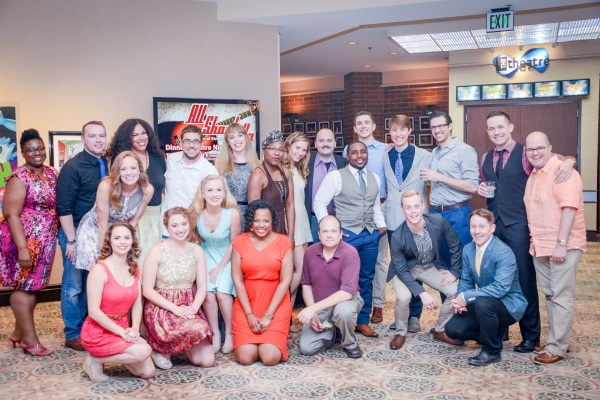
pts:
[30, 150]
[438, 127]
[538, 149]
[275, 149]
[187, 142]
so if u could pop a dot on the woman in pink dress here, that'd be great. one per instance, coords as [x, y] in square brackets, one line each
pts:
[113, 289]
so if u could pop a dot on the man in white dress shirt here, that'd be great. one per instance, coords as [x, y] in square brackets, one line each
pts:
[355, 194]
[185, 171]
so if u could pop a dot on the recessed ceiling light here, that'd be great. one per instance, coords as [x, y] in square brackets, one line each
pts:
[367, 66]
[454, 40]
[417, 43]
[579, 30]
[535, 34]
[394, 52]
[352, 43]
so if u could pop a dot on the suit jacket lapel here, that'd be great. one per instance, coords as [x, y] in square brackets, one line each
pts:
[434, 233]
[487, 256]
[411, 240]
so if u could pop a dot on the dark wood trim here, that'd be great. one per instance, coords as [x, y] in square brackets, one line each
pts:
[50, 293]
[591, 236]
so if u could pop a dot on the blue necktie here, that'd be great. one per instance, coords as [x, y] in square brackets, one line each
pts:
[102, 168]
[399, 170]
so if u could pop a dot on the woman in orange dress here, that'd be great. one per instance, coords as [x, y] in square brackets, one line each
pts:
[261, 268]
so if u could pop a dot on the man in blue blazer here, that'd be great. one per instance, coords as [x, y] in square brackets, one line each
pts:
[489, 298]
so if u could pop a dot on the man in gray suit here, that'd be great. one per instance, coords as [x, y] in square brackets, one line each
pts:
[489, 297]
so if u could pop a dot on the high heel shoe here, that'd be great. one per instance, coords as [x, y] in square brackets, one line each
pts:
[87, 368]
[15, 342]
[43, 352]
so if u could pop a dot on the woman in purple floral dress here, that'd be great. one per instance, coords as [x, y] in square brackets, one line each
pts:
[28, 231]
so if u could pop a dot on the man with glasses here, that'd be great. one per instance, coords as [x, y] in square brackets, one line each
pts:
[185, 171]
[558, 238]
[510, 215]
[454, 177]
[75, 196]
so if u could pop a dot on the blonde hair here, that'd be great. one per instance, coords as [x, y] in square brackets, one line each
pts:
[225, 161]
[114, 178]
[401, 121]
[302, 165]
[199, 203]
[409, 193]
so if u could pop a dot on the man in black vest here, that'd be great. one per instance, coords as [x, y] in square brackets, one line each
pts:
[508, 207]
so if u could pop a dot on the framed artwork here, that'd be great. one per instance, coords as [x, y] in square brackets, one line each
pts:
[411, 138]
[299, 127]
[286, 128]
[63, 146]
[311, 127]
[212, 116]
[424, 123]
[387, 124]
[338, 127]
[339, 141]
[388, 138]
[8, 144]
[412, 123]
[311, 141]
[324, 125]
[425, 139]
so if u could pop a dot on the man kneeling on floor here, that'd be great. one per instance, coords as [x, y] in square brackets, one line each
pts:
[489, 297]
[331, 293]
[415, 251]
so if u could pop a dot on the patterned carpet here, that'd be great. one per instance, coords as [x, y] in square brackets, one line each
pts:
[423, 369]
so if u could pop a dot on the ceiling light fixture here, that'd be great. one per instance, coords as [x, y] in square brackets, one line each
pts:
[455, 40]
[352, 43]
[394, 52]
[579, 30]
[367, 66]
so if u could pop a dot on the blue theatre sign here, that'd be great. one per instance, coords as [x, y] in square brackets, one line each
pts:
[508, 66]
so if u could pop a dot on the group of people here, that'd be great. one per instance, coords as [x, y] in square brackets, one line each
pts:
[154, 247]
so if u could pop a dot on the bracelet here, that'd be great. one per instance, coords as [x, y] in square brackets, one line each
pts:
[249, 313]
[268, 315]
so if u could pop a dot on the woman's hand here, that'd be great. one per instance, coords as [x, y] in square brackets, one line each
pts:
[264, 324]
[185, 312]
[25, 258]
[130, 335]
[254, 323]
[214, 274]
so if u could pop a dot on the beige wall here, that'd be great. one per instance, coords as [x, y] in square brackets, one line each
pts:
[577, 62]
[65, 62]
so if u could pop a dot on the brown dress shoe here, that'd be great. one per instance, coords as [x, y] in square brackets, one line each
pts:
[397, 342]
[540, 349]
[74, 344]
[354, 353]
[546, 358]
[444, 338]
[377, 316]
[365, 330]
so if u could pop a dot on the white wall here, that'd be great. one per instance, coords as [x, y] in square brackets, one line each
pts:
[66, 62]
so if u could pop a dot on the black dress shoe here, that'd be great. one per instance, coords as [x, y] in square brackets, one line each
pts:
[526, 346]
[354, 353]
[482, 359]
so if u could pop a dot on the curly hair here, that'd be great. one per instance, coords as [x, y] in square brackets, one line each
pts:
[302, 165]
[132, 254]
[114, 178]
[123, 139]
[251, 210]
[29, 134]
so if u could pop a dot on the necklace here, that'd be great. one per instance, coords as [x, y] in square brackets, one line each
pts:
[42, 175]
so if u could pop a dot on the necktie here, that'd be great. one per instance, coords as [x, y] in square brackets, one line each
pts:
[102, 168]
[361, 181]
[399, 170]
[478, 261]
[500, 163]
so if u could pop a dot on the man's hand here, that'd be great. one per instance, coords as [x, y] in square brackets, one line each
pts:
[559, 254]
[306, 315]
[447, 278]
[383, 231]
[482, 190]
[428, 302]
[459, 304]
[315, 324]
[430, 175]
[70, 252]
[389, 146]
[564, 170]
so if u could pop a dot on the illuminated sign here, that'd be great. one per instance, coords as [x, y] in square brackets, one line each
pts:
[468, 93]
[520, 91]
[493, 92]
[579, 87]
[547, 89]
[508, 66]
[500, 21]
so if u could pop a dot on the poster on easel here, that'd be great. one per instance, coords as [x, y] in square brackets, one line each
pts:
[8, 145]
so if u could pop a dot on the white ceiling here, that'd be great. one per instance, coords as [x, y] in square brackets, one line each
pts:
[303, 22]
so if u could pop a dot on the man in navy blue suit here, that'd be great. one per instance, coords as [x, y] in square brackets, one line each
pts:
[489, 297]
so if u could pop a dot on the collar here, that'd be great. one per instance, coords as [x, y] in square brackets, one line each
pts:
[354, 171]
[509, 148]
[196, 165]
[94, 160]
[455, 142]
[376, 144]
[549, 167]
[336, 253]
[319, 160]
[485, 245]
[424, 227]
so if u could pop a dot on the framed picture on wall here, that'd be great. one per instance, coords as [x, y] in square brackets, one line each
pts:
[425, 140]
[299, 127]
[387, 124]
[424, 123]
[311, 140]
[338, 127]
[311, 127]
[63, 146]
[8, 144]
[212, 116]
[412, 123]
[286, 128]
[388, 138]
[411, 138]
[339, 141]
[323, 125]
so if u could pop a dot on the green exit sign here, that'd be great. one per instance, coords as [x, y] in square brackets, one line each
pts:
[500, 21]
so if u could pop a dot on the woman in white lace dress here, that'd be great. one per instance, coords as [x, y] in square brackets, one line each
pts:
[295, 157]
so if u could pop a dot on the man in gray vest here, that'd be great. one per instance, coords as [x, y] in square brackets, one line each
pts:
[355, 194]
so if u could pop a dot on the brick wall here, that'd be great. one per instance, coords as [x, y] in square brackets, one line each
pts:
[363, 91]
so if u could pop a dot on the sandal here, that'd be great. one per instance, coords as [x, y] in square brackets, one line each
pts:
[87, 368]
[162, 361]
[43, 352]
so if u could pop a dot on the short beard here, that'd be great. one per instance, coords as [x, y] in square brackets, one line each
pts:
[192, 159]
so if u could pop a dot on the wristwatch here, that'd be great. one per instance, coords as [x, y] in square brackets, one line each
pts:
[268, 315]
[561, 242]
[71, 241]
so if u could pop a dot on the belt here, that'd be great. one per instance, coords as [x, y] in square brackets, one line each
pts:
[116, 317]
[450, 207]
[243, 203]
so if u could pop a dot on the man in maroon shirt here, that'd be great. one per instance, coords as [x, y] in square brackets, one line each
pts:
[330, 290]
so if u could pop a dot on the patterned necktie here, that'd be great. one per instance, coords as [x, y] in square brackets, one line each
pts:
[399, 170]
[478, 260]
[102, 168]
[500, 163]
[361, 181]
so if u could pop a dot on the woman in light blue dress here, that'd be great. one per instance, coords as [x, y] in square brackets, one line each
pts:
[217, 220]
